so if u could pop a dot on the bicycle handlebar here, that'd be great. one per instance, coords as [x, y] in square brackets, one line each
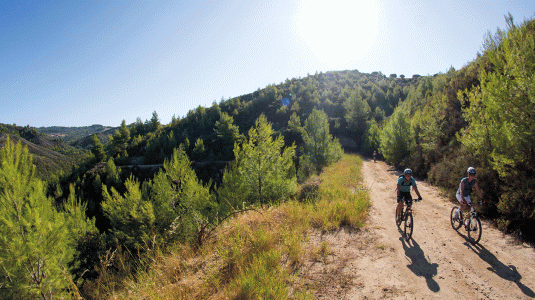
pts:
[474, 203]
[413, 200]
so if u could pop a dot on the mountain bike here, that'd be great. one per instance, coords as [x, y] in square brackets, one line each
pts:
[406, 219]
[473, 226]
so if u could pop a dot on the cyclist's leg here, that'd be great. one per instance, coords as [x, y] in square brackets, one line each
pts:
[408, 200]
[399, 207]
[458, 213]
[401, 200]
[466, 210]
[463, 204]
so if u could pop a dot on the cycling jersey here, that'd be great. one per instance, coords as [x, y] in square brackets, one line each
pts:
[467, 186]
[404, 186]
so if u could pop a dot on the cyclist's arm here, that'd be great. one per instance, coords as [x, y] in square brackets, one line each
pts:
[415, 188]
[398, 191]
[462, 190]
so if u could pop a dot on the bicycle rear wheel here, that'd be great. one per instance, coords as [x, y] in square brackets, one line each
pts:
[408, 226]
[474, 230]
[456, 222]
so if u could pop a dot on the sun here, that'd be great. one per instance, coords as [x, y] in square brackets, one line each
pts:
[337, 32]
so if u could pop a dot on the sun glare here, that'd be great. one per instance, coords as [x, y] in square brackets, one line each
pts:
[338, 32]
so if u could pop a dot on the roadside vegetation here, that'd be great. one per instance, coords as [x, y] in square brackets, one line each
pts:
[256, 254]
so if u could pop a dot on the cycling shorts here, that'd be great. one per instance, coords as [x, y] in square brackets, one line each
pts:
[467, 199]
[405, 196]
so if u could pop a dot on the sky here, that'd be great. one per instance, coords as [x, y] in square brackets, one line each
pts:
[79, 63]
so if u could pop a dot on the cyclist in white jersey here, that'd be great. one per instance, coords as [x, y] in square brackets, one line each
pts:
[465, 189]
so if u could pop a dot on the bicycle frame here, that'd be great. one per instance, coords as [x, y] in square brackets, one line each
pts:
[407, 207]
[472, 223]
[473, 213]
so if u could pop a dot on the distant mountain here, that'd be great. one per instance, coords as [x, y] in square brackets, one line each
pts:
[77, 136]
[49, 154]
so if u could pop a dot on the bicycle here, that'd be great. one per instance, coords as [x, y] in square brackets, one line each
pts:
[473, 226]
[407, 219]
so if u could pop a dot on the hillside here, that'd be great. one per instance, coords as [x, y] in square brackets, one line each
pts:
[49, 155]
[79, 137]
[349, 98]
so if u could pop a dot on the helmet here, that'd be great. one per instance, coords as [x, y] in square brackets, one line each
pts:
[471, 170]
[407, 171]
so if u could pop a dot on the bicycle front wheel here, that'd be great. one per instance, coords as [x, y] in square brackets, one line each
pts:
[456, 221]
[474, 230]
[408, 226]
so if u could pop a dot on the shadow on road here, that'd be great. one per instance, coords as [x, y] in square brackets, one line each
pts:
[507, 272]
[419, 264]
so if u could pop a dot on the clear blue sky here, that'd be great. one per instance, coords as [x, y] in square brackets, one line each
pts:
[78, 63]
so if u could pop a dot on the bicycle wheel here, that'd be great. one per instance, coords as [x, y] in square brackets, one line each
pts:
[474, 232]
[456, 222]
[408, 226]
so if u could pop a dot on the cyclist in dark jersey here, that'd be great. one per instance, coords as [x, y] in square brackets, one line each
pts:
[403, 190]
[465, 189]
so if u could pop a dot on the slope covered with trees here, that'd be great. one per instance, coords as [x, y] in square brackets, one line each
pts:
[76, 136]
[50, 155]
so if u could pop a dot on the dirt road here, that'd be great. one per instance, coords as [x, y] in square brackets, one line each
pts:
[438, 263]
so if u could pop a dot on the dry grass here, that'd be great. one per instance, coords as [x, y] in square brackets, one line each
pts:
[257, 254]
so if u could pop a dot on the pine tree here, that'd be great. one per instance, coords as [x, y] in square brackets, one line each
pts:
[154, 123]
[119, 141]
[80, 227]
[395, 137]
[138, 128]
[34, 238]
[112, 173]
[233, 193]
[98, 149]
[227, 134]
[263, 172]
[357, 112]
[198, 150]
[321, 149]
[131, 216]
[372, 137]
[294, 131]
[182, 204]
